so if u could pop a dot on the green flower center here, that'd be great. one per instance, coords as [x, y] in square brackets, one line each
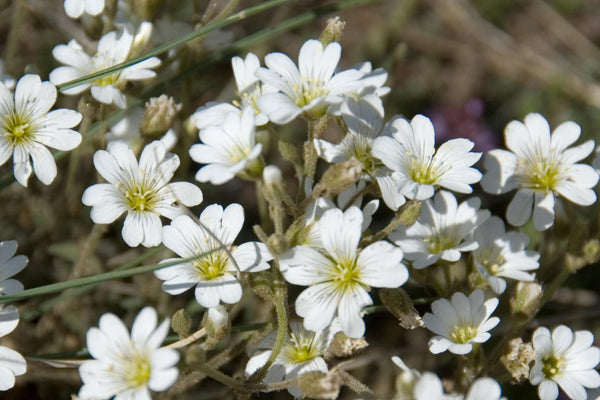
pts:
[443, 240]
[18, 130]
[423, 171]
[491, 260]
[541, 173]
[310, 90]
[551, 365]
[345, 274]
[300, 349]
[463, 333]
[141, 198]
[212, 266]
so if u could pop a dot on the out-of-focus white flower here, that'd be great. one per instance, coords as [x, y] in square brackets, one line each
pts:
[460, 322]
[5, 78]
[502, 254]
[10, 265]
[309, 87]
[127, 130]
[339, 282]
[113, 49]
[565, 359]
[127, 366]
[227, 149]
[302, 352]
[27, 126]
[11, 363]
[74, 8]
[442, 230]
[418, 167]
[540, 166]
[142, 190]
[213, 271]
[485, 389]
[249, 90]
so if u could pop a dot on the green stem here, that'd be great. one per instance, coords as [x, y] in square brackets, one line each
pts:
[89, 280]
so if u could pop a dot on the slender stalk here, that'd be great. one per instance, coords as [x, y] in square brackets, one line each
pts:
[187, 340]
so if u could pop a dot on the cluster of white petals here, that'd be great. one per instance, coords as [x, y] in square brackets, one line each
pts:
[128, 366]
[27, 126]
[209, 260]
[142, 190]
[302, 351]
[442, 230]
[540, 166]
[460, 322]
[113, 49]
[564, 358]
[339, 281]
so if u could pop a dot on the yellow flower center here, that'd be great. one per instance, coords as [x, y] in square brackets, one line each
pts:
[540, 172]
[300, 349]
[141, 198]
[445, 239]
[491, 260]
[212, 266]
[310, 90]
[423, 172]
[345, 274]
[463, 333]
[138, 370]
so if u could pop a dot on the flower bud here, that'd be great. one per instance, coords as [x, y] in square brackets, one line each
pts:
[517, 359]
[181, 323]
[319, 385]
[409, 213]
[343, 346]
[338, 177]
[141, 38]
[398, 302]
[333, 31]
[272, 175]
[216, 323]
[158, 116]
[526, 299]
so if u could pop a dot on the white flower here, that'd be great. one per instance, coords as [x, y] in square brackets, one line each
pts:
[502, 254]
[419, 168]
[540, 166]
[249, 90]
[113, 49]
[27, 126]
[11, 363]
[128, 366]
[309, 87]
[141, 190]
[442, 230]
[213, 271]
[228, 149]
[74, 8]
[302, 352]
[460, 322]
[10, 265]
[364, 120]
[485, 389]
[564, 359]
[339, 282]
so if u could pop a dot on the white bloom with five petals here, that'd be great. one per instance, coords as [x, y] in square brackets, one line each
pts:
[142, 190]
[441, 231]
[309, 87]
[460, 322]
[213, 271]
[540, 166]
[27, 126]
[565, 359]
[339, 281]
[127, 366]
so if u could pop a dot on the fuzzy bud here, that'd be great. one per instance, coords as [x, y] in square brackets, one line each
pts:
[141, 39]
[343, 346]
[526, 299]
[319, 385]
[409, 213]
[333, 31]
[181, 323]
[398, 302]
[338, 177]
[591, 251]
[289, 152]
[216, 323]
[517, 359]
[158, 116]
